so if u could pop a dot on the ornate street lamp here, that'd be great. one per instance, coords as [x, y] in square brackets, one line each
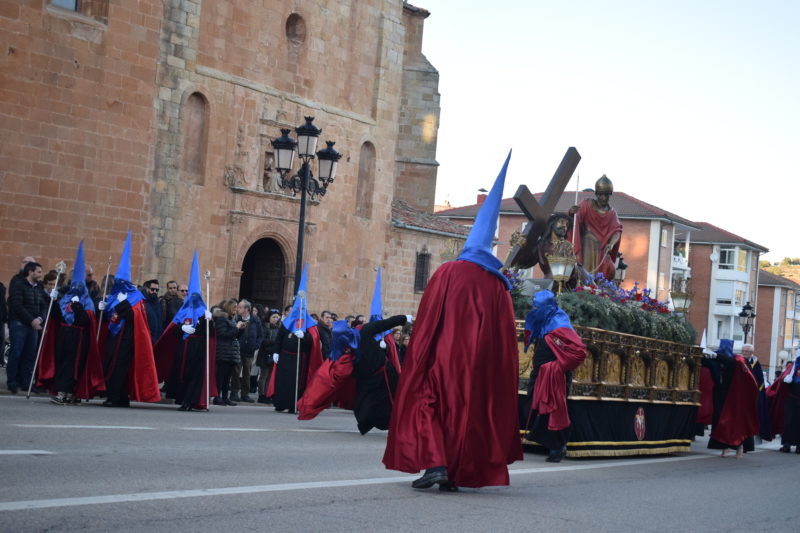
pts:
[682, 296]
[304, 182]
[746, 318]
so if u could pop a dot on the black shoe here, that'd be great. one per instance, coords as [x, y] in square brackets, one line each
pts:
[786, 448]
[247, 399]
[184, 408]
[234, 397]
[447, 487]
[429, 479]
[555, 457]
[13, 389]
[217, 401]
[108, 403]
[229, 403]
[58, 399]
[262, 399]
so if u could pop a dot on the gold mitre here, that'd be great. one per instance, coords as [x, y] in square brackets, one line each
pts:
[604, 185]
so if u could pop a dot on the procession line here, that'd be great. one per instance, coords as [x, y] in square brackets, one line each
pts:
[282, 487]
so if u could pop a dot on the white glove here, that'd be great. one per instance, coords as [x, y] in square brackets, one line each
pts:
[299, 334]
[187, 328]
[122, 296]
[54, 294]
[101, 306]
[207, 315]
[75, 299]
[708, 354]
[409, 319]
[383, 344]
[274, 358]
[789, 376]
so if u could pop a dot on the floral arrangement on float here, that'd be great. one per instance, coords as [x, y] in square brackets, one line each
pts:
[604, 305]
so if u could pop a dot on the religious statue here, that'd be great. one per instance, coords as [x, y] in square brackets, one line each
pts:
[554, 243]
[597, 231]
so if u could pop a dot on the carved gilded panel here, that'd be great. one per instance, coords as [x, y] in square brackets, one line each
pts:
[613, 368]
[662, 374]
[683, 378]
[638, 372]
[584, 372]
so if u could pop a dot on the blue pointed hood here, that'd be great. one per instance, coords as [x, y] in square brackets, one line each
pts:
[478, 248]
[342, 338]
[725, 347]
[545, 316]
[299, 319]
[122, 283]
[193, 307]
[376, 307]
[77, 287]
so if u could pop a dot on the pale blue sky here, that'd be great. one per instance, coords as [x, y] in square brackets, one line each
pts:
[693, 106]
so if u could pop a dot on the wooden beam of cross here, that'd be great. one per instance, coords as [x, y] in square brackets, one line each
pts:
[523, 252]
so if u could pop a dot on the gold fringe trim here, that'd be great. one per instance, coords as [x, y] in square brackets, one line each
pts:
[621, 453]
[686, 442]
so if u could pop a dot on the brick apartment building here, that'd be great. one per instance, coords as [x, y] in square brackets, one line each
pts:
[157, 116]
[778, 320]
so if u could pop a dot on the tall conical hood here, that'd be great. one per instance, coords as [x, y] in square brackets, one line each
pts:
[77, 287]
[193, 307]
[123, 283]
[478, 248]
[299, 319]
[124, 270]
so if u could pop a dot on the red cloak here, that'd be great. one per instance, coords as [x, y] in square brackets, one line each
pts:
[456, 400]
[142, 377]
[164, 352]
[89, 379]
[776, 400]
[325, 386]
[739, 416]
[603, 226]
[550, 392]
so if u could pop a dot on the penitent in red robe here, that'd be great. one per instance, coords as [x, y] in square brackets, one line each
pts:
[456, 400]
[603, 226]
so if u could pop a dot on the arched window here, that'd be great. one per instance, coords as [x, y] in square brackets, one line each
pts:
[366, 180]
[195, 138]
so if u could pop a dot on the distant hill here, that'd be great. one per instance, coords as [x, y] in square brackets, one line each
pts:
[791, 272]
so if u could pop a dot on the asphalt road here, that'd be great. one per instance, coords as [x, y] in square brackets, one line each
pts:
[248, 468]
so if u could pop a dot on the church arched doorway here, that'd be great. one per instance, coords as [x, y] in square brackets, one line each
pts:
[262, 274]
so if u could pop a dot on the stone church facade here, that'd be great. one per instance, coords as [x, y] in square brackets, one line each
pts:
[157, 116]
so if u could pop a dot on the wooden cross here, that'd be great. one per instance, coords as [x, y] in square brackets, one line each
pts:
[523, 251]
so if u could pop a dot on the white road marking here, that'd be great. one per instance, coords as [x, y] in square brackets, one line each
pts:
[66, 426]
[280, 487]
[25, 452]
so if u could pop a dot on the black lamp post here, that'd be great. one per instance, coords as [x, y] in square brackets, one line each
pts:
[746, 318]
[304, 182]
[619, 271]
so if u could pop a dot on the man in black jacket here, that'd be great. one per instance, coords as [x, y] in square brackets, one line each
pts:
[25, 304]
[325, 333]
[249, 342]
[155, 320]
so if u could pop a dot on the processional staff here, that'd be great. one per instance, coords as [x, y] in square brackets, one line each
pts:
[105, 288]
[299, 325]
[61, 267]
[207, 276]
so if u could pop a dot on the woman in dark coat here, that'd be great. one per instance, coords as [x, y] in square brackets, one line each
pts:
[227, 352]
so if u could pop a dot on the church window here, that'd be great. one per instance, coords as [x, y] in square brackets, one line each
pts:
[366, 180]
[295, 30]
[195, 138]
[422, 270]
[96, 9]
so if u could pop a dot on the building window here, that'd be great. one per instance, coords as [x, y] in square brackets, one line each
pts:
[96, 9]
[366, 179]
[727, 258]
[741, 263]
[421, 270]
[724, 292]
[195, 137]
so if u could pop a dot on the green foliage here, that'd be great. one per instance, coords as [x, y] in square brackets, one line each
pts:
[590, 310]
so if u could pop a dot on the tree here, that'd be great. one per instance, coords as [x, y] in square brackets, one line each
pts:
[764, 263]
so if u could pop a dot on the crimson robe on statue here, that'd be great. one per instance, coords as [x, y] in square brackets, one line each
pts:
[456, 400]
[595, 231]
